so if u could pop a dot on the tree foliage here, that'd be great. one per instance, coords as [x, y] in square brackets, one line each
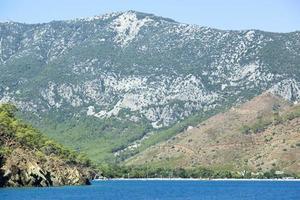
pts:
[116, 171]
[28, 136]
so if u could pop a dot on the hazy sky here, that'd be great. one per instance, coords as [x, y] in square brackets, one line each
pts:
[269, 15]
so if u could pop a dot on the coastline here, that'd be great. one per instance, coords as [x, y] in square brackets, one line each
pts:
[194, 179]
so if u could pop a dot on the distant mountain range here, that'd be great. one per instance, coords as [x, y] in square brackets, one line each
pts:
[113, 85]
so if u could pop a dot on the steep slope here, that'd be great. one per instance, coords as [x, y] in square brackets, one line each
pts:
[100, 84]
[29, 159]
[259, 135]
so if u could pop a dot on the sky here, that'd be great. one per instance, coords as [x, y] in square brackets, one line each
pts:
[268, 15]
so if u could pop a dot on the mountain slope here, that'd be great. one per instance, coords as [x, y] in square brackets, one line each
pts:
[100, 84]
[28, 158]
[259, 135]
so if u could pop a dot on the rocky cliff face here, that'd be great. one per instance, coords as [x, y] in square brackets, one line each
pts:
[23, 168]
[140, 68]
[28, 158]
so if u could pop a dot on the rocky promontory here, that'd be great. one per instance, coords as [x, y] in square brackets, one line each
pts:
[28, 158]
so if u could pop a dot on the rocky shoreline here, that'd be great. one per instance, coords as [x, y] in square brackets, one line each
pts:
[30, 159]
[23, 168]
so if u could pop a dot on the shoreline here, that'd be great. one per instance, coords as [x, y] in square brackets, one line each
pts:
[195, 179]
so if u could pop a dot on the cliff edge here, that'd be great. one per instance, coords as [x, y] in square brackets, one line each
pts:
[28, 158]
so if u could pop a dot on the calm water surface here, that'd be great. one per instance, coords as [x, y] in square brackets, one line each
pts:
[187, 190]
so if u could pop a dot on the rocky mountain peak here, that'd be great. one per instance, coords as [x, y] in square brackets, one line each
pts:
[140, 69]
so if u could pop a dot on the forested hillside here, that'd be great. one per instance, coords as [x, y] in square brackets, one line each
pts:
[28, 158]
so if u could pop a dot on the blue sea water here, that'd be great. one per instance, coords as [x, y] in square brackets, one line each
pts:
[156, 190]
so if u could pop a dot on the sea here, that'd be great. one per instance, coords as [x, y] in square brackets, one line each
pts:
[162, 189]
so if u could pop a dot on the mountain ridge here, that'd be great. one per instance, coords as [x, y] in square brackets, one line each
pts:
[110, 81]
[113, 14]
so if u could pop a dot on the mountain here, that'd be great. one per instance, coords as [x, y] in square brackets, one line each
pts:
[115, 84]
[28, 158]
[259, 135]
